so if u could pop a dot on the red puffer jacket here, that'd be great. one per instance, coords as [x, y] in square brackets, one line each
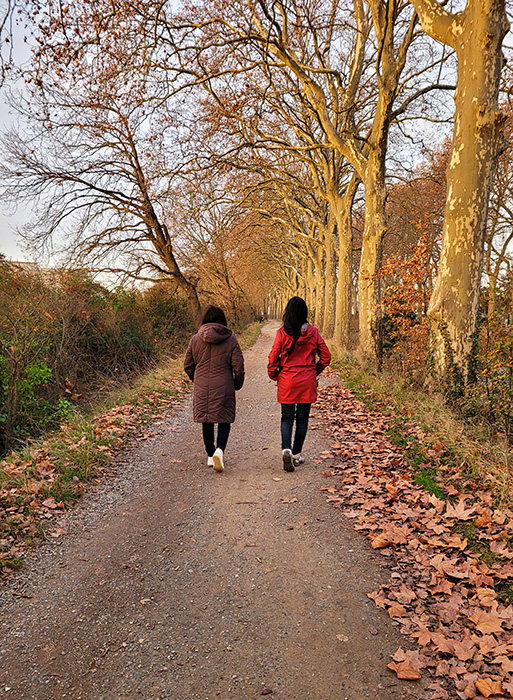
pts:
[297, 371]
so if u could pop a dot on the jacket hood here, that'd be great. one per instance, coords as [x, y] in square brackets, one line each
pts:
[214, 333]
[306, 332]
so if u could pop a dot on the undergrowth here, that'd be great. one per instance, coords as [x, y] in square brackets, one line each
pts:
[442, 448]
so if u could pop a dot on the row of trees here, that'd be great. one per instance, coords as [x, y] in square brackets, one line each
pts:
[247, 150]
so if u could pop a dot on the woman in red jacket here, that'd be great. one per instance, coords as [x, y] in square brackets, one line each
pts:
[293, 363]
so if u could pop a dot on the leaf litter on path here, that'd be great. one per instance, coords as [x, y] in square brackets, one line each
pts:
[451, 558]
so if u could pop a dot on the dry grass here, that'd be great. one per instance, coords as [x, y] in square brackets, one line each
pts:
[468, 446]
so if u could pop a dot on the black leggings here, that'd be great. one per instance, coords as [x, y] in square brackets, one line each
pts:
[300, 413]
[223, 430]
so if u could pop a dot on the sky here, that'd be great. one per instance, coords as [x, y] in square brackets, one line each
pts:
[10, 244]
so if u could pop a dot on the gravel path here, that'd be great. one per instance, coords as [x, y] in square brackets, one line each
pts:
[177, 582]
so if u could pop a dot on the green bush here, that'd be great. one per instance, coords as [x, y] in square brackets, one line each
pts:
[64, 336]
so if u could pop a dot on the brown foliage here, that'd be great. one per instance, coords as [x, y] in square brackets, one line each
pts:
[451, 557]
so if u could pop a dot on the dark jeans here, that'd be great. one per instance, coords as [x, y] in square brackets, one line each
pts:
[223, 430]
[291, 412]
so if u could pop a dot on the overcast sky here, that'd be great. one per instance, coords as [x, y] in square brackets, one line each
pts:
[10, 244]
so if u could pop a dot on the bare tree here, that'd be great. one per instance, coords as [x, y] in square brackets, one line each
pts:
[352, 106]
[101, 154]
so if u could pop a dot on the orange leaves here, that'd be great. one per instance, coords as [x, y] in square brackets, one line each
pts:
[459, 511]
[405, 595]
[390, 537]
[329, 489]
[406, 664]
[488, 687]
[405, 671]
[397, 610]
[486, 596]
[501, 549]
[486, 623]
[442, 593]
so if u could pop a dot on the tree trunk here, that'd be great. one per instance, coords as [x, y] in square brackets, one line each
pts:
[328, 321]
[476, 34]
[319, 286]
[369, 296]
[344, 210]
[310, 284]
[158, 234]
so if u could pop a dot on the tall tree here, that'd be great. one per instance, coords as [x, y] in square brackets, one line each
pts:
[302, 42]
[103, 149]
[476, 34]
[499, 232]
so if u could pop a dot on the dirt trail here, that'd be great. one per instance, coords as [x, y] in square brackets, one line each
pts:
[177, 582]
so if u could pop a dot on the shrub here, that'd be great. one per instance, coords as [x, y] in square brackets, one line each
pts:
[64, 335]
[492, 393]
[405, 327]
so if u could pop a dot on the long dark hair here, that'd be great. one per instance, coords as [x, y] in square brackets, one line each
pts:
[213, 314]
[294, 316]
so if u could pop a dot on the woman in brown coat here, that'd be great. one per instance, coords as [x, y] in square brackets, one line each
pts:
[214, 362]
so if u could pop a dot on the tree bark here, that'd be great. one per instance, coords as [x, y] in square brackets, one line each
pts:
[330, 281]
[319, 286]
[369, 297]
[476, 34]
[310, 283]
[343, 211]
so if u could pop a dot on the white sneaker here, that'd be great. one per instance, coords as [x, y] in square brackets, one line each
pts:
[210, 462]
[287, 460]
[298, 459]
[218, 460]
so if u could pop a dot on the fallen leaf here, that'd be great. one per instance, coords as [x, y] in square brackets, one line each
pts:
[501, 549]
[486, 596]
[397, 610]
[486, 623]
[289, 500]
[58, 532]
[459, 511]
[405, 671]
[423, 636]
[488, 687]
[380, 541]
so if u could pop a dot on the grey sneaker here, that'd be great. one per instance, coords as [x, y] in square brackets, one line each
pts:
[298, 459]
[287, 460]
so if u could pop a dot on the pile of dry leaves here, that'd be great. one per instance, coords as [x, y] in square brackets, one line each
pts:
[451, 559]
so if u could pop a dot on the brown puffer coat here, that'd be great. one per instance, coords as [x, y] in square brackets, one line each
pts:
[215, 364]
